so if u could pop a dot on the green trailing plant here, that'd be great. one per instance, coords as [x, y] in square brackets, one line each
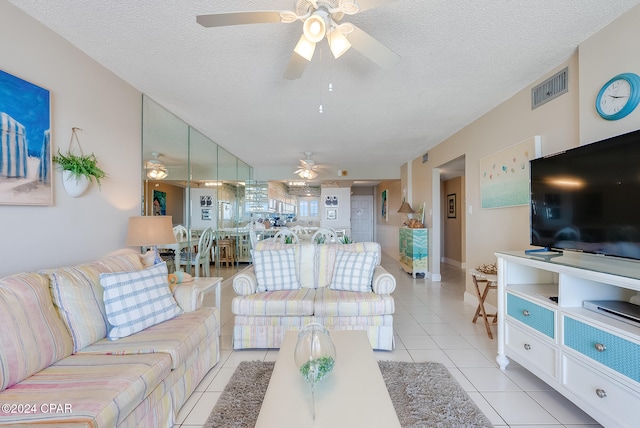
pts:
[80, 166]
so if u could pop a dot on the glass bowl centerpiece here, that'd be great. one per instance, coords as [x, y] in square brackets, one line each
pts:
[315, 355]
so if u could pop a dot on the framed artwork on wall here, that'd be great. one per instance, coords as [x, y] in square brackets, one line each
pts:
[331, 201]
[159, 202]
[25, 143]
[385, 211]
[451, 205]
[504, 176]
[332, 214]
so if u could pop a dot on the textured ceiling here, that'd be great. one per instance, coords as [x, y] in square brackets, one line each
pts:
[459, 59]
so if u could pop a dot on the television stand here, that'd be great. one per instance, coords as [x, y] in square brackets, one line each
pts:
[590, 358]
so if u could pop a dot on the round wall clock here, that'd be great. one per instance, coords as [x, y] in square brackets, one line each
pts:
[619, 96]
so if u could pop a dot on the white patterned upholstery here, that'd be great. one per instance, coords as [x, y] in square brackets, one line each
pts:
[262, 318]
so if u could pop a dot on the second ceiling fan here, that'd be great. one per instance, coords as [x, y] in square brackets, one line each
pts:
[321, 19]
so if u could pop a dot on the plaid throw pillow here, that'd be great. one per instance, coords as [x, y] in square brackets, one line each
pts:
[353, 271]
[275, 270]
[137, 300]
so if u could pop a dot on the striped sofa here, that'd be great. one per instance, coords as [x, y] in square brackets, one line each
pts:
[311, 294]
[58, 368]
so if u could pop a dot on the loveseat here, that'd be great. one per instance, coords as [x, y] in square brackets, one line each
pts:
[341, 286]
[102, 344]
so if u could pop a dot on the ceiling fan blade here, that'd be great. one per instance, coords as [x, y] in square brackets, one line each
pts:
[372, 49]
[295, 68]
[371, 4]
[238, 18]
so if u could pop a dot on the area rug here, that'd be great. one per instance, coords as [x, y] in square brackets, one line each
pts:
[423, 394]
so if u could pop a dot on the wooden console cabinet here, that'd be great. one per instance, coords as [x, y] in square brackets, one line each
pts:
[592, 359]
[414, 250]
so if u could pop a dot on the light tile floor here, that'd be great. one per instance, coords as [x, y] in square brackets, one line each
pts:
[432, 323]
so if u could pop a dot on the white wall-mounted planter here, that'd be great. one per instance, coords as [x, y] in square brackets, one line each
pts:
[75, 186]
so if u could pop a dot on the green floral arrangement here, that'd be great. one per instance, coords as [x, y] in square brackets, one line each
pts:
[80, 166]
[317, 369]
[288, 239]
[346, 240]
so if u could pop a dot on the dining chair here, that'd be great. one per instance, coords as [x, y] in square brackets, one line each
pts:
[202, 257]
[325, 235]
[300, 230]
[286, 236]
[180, 232]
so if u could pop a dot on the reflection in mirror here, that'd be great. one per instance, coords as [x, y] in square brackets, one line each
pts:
[200, 189]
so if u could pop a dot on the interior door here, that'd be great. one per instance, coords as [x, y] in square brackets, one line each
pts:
[362, 218]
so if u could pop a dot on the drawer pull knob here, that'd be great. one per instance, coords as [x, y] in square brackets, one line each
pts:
[527, 346]
[601, 393]
[526, 313]
[600, 347]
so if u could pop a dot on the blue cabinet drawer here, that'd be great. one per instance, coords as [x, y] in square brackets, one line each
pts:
[535, 316]
[614, 352]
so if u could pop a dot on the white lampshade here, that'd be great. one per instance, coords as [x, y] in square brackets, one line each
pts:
[150, 231]
[305, 48]
[315, 27]
[338, 43]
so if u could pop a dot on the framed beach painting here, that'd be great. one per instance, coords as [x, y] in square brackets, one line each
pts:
[384, 214]
[504, 176]
[25, 143]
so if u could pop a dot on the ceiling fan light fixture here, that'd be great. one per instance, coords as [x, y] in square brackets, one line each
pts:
[305, 48]
[338, 43]
[315, 26]
[157, 173]
[307, 174]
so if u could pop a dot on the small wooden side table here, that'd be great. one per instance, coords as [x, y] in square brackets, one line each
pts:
[490, 283]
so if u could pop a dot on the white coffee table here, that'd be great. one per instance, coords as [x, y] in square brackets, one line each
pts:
[353, 395]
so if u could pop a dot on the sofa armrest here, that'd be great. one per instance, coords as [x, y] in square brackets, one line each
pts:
[383, 282]
[188, 296]
[245, 282]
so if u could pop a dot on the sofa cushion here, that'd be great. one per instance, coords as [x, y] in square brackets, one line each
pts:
[326, 257]
[275, 270]
[78, 295]
[32, 335]
[178, 337]
[305, 259]
[137, 300]
[87, 390]
[353, 271]
[275, 303]
[351, 303]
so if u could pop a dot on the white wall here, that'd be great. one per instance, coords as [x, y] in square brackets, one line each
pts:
[87, 96]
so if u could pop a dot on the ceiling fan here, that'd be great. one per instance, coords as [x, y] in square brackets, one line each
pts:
[321, 19]
[156, 170]
[308, 170]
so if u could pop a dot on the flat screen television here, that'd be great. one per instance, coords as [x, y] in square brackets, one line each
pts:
[588, 198]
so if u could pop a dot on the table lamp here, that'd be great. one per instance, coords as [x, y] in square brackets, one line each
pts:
[406, 208]
[150, 231]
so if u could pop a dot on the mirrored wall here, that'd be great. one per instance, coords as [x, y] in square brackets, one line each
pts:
[201, 185]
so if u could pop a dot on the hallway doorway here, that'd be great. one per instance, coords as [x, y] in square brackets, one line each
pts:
[362, 218]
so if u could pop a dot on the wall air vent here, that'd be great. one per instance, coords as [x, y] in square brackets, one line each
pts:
[551, 88]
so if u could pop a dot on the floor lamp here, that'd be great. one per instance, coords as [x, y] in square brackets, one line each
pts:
[150, 231]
